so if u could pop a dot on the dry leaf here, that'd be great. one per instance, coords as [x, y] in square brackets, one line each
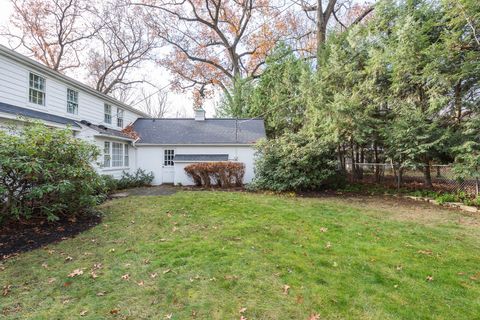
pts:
[51, 280]
[167, 271]
[6, 290]
[429, 278]
[93, 274]
[328, 245]
[126, 276]
[101, 293]
[243, 318]
[68, 259]
[286, 288]
[76, 272]
[84, 312]
[146, 261]
[242, 310]
[314, 316]
[45, 265]
[323, 229]
[141, 283]
[114, 311]
[97, 266]
[425, 252]
[153, 275]
[169, 316]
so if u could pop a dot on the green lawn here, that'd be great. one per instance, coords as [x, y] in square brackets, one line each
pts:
[208, 255]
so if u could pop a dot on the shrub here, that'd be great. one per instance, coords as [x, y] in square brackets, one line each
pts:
[223, 174]
[295, 162]
[139, 178]
[46, 172]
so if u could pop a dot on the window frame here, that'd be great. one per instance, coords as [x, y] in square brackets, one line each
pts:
[168, 155]
[39, 92]
[107, 117]
[121, 159]
[71, 102]
[120, 117]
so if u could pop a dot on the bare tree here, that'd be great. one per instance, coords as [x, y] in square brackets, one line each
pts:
[323, 12]
[156, 105]
[52, 31]
[121, 46]
[215, 42]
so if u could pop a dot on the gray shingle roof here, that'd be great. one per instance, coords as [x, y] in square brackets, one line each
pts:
[190, 131]
[19, 111]
[200, 157]
[106, 131]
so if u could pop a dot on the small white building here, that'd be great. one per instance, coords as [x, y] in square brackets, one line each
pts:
[32, 91]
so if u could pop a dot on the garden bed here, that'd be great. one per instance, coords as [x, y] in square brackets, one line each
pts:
[23, 235]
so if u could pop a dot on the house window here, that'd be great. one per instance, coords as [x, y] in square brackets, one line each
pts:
[119, 118]
[168, 157]
[72, 101]
[117, 154]
[125, 156]
[36, 93]
[107, 110]
[106, 154]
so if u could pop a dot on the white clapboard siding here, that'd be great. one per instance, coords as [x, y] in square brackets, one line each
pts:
[14, 85]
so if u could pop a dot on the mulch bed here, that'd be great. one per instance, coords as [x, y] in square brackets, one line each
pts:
[24, 235]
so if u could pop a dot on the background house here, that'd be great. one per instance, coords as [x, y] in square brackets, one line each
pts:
[165, 146]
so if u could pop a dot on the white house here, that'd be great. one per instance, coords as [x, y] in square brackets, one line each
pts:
[29, 90]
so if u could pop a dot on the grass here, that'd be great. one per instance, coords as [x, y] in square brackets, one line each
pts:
[207, 255]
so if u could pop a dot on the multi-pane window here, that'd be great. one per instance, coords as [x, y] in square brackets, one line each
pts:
[125, 156]
[168, 157]
[119, 117]
[117, 154]
[106, 154]
[107, 110]
[72, 101]
[36, 93]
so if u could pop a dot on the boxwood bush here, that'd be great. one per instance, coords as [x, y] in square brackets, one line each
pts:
[46, 172]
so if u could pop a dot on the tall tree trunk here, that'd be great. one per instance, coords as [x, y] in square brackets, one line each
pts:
[352, 156]
[458, 101]
[427, 174]
[376, 160]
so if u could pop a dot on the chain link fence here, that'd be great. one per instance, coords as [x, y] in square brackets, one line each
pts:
[441, 177]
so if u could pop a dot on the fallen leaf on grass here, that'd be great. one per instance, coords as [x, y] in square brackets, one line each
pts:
[6, 290]
[429, 278]
[153, 275]
[114, 311]
[425, 252]
[242, 310]
[323, 229]
[93, 275]
[51, 280]
[101, 293]
[126, 276]
[399, 268]
[286, 288]
[243, 318]
[169, 316]
[97, 266]
[146, 261]
[76, 272]
[44, 265]
[83, 313]
[141, 283]
[314, 316]
[167, 271]
[328, 245]
[68, 259]
[475, 277]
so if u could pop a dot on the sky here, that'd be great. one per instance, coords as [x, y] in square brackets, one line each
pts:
[180, 104]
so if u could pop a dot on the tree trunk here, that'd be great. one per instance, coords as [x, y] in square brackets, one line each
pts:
[458, 101]
[352, 156]
[426, 173]
[376, 160]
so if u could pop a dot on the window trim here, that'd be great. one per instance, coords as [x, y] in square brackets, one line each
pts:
[31, 88]
[120, 117]
[124, 155]
[168, 155]
[77, 93]
[105, 114]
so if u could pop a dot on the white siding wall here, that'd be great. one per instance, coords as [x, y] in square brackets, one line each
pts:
[150, 158]
[14, 85]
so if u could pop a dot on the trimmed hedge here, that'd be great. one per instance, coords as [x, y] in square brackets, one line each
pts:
[223, 174]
